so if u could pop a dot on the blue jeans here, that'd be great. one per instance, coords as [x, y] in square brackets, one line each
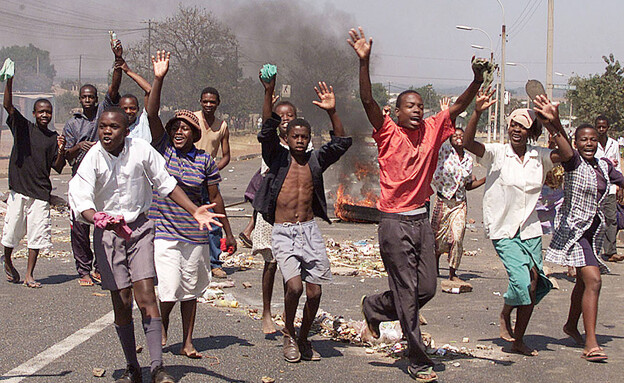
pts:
[214, 237]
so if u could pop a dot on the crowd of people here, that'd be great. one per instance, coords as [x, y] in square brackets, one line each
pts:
[151, 191]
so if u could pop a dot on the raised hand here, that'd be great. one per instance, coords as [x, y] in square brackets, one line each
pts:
[359, 43]
[60, 140]
[117, 48]
[274, 98]
[477, 69]
[206, 218]
[445, 103]
[484, 100]
[161, 63]
[547, 111]
[123, 65]
[326, 96]
[267, 85]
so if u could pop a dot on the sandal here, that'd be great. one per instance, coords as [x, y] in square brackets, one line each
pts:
[32, 284]
[424, 375]
[85, 281]
[245, 240]
[595, 355]
[96, 277]
[12, 276]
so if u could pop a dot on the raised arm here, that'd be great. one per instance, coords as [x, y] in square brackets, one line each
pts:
[267, 105]
[138, 79]
[548, 114]
[328, 103]
[363, 49]
[161, 66]
[113, 89]
[465, 99]
[8, 96]
[482, 102]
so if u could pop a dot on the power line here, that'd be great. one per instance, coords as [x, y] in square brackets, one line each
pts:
[529, 5]
[525, 22]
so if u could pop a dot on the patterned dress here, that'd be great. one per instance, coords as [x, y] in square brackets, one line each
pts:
[448, 220]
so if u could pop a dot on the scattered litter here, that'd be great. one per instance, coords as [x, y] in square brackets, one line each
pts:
[98, 372]
[465, 340]
[355, 258]
[241, 260]
[456, 364]
[139, 349]
[246, 285]
[455, 287]
[98, 294]
[266, 379]
[222, 284]
[471, 253]
[497, 293]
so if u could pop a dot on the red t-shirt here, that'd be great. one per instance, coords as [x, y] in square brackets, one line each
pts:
[407, 161]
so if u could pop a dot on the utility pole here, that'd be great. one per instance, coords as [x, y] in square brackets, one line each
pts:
[79, 71]
[502, 87]
[549, 49]
[149, 45]
[37, 65]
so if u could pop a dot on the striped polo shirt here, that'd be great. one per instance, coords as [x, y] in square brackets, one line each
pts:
[193, 170]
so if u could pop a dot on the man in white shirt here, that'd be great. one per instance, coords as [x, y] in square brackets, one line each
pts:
[608, 148]
[112, 189]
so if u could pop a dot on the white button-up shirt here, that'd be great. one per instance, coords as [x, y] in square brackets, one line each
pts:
[512, 188]
[610, 151]
[119, 185]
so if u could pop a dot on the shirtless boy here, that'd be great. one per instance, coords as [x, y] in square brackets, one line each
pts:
[291, 195]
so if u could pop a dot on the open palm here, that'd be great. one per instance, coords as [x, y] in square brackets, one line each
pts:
[484, 100]
[161, 63]
[359, 43]
[326, 96]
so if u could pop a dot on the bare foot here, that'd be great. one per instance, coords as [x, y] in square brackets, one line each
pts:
[164, 337]
[521, 348]
[574, 334]
[268, 327]
[190, 352]
[505, 328]
[11, 273]
[455, 278]
[571, 272]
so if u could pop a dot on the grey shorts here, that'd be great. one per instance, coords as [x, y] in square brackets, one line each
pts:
[121, 263]
[299, 249]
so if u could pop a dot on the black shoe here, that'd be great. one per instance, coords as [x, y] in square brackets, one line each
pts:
[159, 375]
[131, 375]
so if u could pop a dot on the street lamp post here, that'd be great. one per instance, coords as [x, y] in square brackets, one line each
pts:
[468, 28]
[502, 87]
[528, 77]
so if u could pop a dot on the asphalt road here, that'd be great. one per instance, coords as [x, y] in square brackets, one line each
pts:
[66, 328]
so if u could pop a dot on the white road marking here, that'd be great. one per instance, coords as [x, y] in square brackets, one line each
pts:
[47, 356]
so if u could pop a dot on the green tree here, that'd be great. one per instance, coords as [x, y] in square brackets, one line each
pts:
[430, 97]
[33, 71]
[600, 94]
[380, 94]
[204, 52]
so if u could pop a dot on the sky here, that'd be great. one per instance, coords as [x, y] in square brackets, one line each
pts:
[415, 41]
